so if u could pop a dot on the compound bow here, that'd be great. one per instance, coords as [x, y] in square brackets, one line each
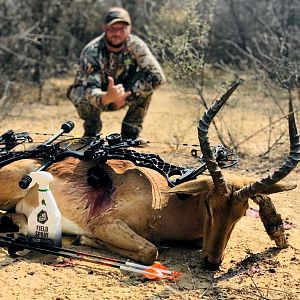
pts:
[100, 150]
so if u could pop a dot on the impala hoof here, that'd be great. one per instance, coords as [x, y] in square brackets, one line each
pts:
[210, 266]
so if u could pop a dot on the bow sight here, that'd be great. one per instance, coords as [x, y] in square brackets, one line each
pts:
[100, 150]
[10, 140]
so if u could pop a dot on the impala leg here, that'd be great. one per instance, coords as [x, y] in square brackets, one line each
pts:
[85, 240]
[120, 238]
[7, 220]
[272, 220]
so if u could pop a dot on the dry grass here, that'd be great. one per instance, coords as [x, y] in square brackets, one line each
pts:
[252, 268]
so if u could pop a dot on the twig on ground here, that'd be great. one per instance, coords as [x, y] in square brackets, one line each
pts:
[171, 289]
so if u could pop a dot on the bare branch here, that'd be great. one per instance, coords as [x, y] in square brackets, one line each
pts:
[5, 94]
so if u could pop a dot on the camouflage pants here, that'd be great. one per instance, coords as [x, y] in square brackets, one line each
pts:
[132, 123]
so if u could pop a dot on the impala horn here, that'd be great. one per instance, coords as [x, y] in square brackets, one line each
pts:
[203, 127]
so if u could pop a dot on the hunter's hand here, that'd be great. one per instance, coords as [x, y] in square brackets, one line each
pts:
[115, 94]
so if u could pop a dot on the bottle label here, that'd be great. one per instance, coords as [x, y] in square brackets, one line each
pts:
[42, 217]
[41, 231]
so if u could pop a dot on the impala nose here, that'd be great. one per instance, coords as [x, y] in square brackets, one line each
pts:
[210, 266]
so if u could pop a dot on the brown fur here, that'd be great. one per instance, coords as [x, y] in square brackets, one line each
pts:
[137, 209]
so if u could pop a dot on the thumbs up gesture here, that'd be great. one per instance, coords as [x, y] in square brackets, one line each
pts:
[115, 94]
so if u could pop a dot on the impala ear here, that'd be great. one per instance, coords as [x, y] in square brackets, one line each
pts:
[191, 188]
[279, 187]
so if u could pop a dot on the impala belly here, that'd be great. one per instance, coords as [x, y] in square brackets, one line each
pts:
[69, 227]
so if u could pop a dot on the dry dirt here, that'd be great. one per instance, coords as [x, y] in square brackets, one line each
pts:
[253, 267]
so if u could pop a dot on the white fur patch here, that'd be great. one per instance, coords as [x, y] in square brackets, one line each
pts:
[68, 227]
[22, 207]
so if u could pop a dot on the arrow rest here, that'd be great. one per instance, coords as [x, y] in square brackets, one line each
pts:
[225, 157]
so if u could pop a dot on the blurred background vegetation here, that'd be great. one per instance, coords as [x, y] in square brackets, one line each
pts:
[195, 40]
[42, 39]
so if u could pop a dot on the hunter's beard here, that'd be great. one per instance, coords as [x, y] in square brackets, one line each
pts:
[116, 46]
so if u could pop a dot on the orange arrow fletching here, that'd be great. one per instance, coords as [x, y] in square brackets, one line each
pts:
[159, 271]
[152, 273]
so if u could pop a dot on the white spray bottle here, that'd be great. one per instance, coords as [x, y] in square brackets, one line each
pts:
[44, 223]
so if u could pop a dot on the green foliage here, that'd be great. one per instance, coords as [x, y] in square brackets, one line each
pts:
[39, 39]
[180, 34]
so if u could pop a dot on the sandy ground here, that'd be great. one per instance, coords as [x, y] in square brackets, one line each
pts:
[253, 267]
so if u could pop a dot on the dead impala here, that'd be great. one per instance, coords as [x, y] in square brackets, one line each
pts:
[135, 207]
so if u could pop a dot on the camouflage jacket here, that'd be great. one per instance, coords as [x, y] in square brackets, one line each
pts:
[135, 67]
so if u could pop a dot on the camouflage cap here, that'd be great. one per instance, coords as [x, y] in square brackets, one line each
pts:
[117, 14]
